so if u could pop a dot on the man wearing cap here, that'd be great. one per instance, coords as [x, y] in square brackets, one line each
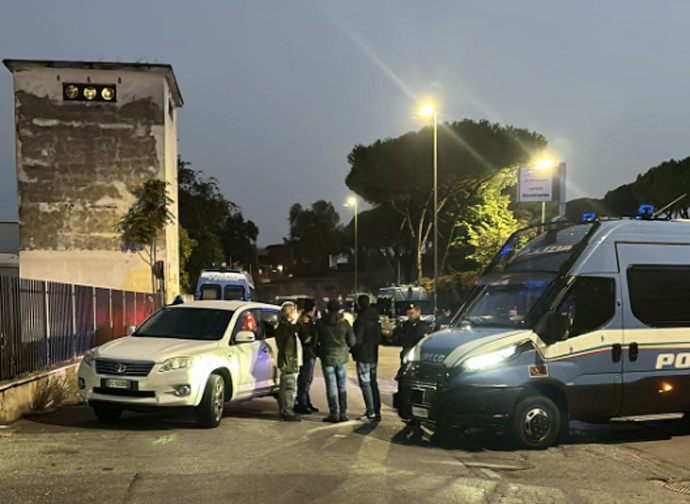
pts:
[414, 329]
[333, 340]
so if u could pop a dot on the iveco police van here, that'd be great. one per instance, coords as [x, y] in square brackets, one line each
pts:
[226, 284]
[586, 321]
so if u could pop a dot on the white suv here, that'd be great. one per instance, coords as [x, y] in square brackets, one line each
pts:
[198, 355]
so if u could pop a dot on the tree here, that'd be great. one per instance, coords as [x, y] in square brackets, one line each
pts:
[239, 240]
[397, 172]
[140, 227]
[486, 225]
[315, 234]
[208, 217]
[187, 245]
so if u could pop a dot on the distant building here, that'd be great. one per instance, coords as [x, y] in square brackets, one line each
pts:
[89, 134]
[9, 248]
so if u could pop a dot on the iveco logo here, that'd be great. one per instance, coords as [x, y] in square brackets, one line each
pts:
[433, 357]
[120, 368]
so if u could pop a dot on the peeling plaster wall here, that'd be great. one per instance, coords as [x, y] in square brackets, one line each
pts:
[78, 164]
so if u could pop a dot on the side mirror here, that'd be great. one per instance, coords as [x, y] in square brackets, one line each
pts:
[245, 337]
[130, 330]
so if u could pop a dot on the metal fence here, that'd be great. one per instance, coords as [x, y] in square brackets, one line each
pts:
[43, 324]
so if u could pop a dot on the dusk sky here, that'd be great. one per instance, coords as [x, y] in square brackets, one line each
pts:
[277, 92]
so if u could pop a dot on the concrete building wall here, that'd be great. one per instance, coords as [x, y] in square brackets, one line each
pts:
[78, 164]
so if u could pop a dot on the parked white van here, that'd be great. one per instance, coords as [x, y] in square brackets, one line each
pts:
[198, 355]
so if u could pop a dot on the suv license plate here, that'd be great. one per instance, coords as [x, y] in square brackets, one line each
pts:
[119, 384]
[420, 412]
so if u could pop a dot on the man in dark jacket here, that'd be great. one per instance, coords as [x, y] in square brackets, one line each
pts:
[334, 338]
[289, 360]
[306, 334]
[414, 330]
[366, 355]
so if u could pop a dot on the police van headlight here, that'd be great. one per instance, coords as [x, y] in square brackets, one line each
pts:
[490, 359]
[413, 355]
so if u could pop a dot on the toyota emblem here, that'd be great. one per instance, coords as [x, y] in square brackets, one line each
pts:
[120, 368]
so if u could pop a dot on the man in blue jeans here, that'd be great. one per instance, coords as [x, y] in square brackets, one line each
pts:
[333, 340]
[366, 354]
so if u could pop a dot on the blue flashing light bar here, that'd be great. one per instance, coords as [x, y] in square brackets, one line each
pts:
[586, 217]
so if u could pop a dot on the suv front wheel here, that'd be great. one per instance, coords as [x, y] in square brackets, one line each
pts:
[210, 411]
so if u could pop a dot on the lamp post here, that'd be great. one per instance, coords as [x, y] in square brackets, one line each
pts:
[352, 202]
[430, 110]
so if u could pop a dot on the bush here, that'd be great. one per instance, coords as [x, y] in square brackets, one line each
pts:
[53, 390]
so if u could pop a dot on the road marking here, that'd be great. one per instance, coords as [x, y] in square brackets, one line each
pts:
[491, 474]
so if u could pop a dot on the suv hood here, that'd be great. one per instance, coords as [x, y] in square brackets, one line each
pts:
[140, 348]
[449, 346]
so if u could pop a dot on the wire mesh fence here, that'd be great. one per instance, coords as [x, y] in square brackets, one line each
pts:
[43, 324]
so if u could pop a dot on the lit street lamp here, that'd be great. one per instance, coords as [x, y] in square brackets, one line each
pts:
[352, 202]
[430, 110]
[543, 164]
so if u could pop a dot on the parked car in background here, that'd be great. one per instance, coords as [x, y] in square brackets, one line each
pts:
[194, 356]
[392, 304]
[225, 284]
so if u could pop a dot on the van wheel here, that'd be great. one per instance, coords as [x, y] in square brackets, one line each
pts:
[536, 423]
[106, 414]
[210, 411]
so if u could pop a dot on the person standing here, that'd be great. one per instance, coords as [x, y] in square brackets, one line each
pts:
[289, 360]
[443, 320]
[414, 330]
[366, 355]
[334, 339]
[306, 334]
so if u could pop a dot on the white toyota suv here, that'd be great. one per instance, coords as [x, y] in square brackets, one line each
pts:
[198, 355]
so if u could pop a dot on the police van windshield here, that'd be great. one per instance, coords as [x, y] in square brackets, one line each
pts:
[506, 302]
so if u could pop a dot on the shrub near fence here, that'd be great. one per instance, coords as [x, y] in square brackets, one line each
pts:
[43, 324]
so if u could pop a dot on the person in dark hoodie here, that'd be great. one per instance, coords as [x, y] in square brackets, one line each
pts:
[333, 341]
[306, 334]
[366, 355]
[289, 360]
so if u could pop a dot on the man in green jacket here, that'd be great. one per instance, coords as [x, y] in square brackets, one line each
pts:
[333, 341]
[289, 360]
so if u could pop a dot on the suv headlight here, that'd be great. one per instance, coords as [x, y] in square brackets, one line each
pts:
[88, 357]
[490, 359]
[414, 355]
[176, 363]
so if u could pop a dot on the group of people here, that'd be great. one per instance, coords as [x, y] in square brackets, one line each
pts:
[332, 338]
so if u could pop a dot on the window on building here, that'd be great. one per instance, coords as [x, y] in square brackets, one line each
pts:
[660, 295]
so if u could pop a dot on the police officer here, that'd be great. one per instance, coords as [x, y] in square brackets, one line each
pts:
[413, 330]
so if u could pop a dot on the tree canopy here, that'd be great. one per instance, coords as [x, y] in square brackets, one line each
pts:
[397, 172]
[215, 223]
[315, 234]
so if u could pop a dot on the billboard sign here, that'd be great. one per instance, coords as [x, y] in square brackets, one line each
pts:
[535, 186]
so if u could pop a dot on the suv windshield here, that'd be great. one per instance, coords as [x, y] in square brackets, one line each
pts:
[186, 323]
[505, 302]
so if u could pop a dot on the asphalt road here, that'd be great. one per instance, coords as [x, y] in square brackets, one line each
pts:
[67, 456]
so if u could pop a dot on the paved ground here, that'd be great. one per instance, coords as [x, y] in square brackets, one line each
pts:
[67, 456]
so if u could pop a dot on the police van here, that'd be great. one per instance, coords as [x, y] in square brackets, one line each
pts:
[225, 284]
[392, 304]
[586, 321]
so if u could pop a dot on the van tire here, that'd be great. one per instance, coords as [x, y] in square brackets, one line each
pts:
[536, 423]
[106, 414]
[209, 413]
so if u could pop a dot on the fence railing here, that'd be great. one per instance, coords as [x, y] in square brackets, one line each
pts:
[43, 324]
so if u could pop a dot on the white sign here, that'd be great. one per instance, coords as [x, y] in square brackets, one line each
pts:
[535, 185]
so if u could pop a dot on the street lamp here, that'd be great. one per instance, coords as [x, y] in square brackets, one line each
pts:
[352, 202]
[430, 110]
[543, 164]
